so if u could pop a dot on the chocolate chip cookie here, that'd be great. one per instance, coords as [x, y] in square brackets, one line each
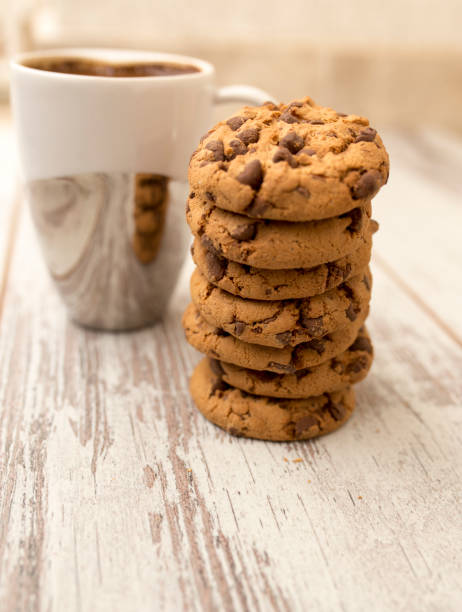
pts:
[216, 343]
[265, 418]
[281, 323]
[260, 284]
[292, 162]
[277, 245]
[347, 368]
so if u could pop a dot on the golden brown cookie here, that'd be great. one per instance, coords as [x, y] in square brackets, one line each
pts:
[347, 368]
[292, 162]
[281, 323]
[265, 418]
[261, 284]
[277, 245]
[218, 344]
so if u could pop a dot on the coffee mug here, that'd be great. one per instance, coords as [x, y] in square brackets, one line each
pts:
[105, 138]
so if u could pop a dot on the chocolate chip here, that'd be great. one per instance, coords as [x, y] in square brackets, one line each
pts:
[218, 385]
[216, 367]
[208, 244]
[342, 115]
[216, 146]
[303, 191]
[236, 122]
[358, 364]
[221, 332]
[361, 344]
[289, 368]
[239, 328]
[316, 345]
[302, 373]
[216, 264]
[257, 207]
[257, 330]
[356, 217]
[293, 142]
[349, 293]
[238, 148]
[366, 135]
[264, 376]
[252, 175]
[366, 282]
[284, 338]
[316, 122]
[245, 231]
[283, 154]
[188, 208]
[304, 424]
[313, 326]
[352, 312]
[347, 271]
[249, 135]
[272, 318]
[210, 196]
[235, 432]
[334, 274]
[287, 117]
[337, 366]
[192, 195]
[367, 185]
[308, 152]
[336, 410]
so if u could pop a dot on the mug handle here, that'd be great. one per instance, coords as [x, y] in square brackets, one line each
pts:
[242, 93]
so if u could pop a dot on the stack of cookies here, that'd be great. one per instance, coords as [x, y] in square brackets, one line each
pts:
[280, 209]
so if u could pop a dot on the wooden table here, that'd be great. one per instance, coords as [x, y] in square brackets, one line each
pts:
[117, 495]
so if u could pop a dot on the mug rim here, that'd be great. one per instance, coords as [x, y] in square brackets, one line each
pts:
[121, 56]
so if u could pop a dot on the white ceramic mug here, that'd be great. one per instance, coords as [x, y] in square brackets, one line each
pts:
[88, 146]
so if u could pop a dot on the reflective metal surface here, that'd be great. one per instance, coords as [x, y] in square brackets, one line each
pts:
[114, 244]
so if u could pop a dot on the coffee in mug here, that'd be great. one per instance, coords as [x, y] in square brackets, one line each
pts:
[88, 67]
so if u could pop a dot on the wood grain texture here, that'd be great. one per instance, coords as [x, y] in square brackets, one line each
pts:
[10, 205]
[116, 494]
[420, 215]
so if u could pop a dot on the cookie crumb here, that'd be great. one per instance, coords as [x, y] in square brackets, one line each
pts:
[360, 496]
[309, 481]
[286, 460]
[298, 460]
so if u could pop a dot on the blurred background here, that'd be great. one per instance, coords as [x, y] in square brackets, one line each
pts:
[398, 62]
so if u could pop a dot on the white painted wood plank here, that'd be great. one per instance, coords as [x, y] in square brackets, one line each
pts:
[117, 494]
[420, 215]
[9, 197]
